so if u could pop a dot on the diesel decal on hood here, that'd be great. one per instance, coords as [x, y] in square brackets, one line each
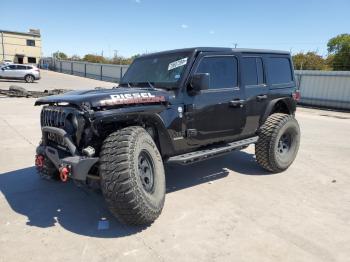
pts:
[135, 98]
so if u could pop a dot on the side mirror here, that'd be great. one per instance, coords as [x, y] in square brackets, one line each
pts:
[200, 81]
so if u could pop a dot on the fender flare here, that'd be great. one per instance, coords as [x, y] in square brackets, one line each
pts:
[287, 101]
[153, 119]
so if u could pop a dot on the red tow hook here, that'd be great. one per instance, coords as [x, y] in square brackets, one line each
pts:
[39, 160]
[64, 173]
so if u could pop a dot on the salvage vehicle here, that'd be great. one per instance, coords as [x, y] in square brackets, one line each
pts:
[179, 106]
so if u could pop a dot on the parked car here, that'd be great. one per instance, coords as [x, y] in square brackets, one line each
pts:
[179, 106]
[5, 62]
[28, 73]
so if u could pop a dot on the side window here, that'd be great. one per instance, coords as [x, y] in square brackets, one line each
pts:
[253, 71]
[280, 70]
[20, 67]
[222, 70]
[12, 67]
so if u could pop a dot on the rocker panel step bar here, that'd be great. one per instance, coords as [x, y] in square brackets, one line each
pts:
[211, 152]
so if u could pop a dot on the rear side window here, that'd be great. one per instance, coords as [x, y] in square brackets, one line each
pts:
[222, 70]
[280, 70]
[253, 71]
[20, 67]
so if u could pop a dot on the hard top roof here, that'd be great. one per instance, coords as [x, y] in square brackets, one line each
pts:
[221, 49]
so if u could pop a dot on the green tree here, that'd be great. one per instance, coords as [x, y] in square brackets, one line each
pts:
[120, 60]
[339, 47]
[95, 58]
[60, 55]
[309, 61]
[75, 58]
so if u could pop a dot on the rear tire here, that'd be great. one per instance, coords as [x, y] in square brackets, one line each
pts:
[278, 144]
[132, 176]
[29, 78]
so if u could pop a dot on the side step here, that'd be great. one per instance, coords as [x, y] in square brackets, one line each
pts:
[211, 152]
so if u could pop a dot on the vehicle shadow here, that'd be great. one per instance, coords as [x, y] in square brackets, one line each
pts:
[180, 177]
[79, 209]
[16, 81]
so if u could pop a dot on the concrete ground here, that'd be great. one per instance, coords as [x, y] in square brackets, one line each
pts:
[54, 80]
[224, 209]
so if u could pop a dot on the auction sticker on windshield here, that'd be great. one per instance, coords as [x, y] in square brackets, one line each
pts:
[177, 63]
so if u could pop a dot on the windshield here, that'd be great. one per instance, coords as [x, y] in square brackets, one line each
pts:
[159, 71]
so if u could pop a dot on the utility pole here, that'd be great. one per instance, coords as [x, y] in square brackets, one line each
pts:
[235, 45]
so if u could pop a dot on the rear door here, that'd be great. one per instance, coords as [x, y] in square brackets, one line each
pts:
[21, 71]
[256, 89]
[216, 114]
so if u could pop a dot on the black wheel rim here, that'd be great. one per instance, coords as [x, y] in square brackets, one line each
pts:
[284, 144]
[146, 171]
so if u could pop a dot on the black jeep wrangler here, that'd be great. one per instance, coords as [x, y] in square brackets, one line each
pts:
[178, 106]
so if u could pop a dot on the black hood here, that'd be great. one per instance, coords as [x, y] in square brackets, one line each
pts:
[108, 97]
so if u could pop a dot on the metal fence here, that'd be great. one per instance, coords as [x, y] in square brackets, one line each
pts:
[104, 72]
[330, 89]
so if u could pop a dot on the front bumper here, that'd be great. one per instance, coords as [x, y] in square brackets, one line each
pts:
[78, 164]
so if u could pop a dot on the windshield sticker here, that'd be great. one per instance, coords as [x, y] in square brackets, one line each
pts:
[177, 76]
[177, 63]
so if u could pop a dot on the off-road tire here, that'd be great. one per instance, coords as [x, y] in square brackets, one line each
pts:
[267, 147]
[29, 78]
[48, 171]
[121, 183]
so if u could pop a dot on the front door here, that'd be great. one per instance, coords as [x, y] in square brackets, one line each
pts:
[8, 71]
[216, 114]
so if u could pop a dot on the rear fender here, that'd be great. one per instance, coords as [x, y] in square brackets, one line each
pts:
[288, 104]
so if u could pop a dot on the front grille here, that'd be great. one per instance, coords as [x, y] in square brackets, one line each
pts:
[55, 116]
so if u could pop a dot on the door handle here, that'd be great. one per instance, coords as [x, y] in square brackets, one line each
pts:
[261, 97]
[236, 103]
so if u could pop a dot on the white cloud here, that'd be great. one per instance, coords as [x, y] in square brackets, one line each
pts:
[211, 32]
[184, 26]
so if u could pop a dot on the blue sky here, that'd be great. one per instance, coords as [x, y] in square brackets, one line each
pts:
[139, 26]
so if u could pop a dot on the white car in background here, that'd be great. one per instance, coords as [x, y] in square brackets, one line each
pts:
[28, 73]
[6, 62]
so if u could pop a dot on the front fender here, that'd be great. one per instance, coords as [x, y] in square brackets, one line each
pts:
[157, 116]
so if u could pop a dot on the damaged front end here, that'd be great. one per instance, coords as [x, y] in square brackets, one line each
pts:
[65, 133]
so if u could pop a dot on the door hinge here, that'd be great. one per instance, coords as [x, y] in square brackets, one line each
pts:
[191, 132]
